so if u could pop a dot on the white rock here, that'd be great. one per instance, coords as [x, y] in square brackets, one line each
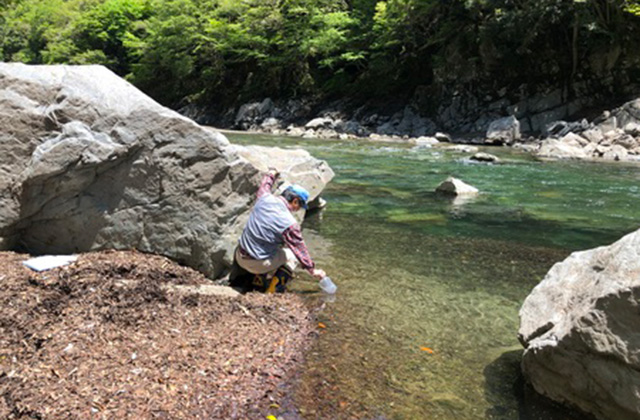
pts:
[454, 186]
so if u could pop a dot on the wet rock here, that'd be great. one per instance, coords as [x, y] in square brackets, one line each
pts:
[485, 157]
[579, 330]
[455, 187]
[503, 131]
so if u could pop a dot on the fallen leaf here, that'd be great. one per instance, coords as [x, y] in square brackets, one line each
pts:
[321, 325]
[427, 349]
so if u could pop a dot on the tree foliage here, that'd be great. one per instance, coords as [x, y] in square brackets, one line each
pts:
[226, 51]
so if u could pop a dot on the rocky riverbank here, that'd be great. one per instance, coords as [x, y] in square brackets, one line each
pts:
[612, 136]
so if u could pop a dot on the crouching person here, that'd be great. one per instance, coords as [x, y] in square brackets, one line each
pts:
[271, 244]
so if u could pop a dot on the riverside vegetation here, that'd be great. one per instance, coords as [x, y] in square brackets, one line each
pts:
[220, 54]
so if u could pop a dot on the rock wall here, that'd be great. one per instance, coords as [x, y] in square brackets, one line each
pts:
[463, 111]
[88, 162]
[580, 329]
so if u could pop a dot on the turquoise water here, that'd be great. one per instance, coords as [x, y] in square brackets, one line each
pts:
[425, 322]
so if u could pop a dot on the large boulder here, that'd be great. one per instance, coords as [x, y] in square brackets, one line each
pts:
[89, 162]
[296, 166]
[503, 131]
[580, 329]
[565, 148]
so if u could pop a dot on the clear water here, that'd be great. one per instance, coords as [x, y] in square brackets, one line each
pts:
[424, 325]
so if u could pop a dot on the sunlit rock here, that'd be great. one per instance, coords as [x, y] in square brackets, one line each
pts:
[579, 327]
[455, 187]
[89, 162]
[485, 157]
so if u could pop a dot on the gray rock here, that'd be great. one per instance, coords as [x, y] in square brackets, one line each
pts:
[540, 120]
[615, 153]
[579, 327]
[594, 135]
[632, 128]
[557, 149]
[425, 141]
[562, 128]
[252, 114]
[296, 166]
[443, 137]
[463, 148]
[485, 157]
[270, 123]
[295, 131]
[574, 140]
[627, 141]
[503, 131]
[353, 127]
[89, 162]
[319, 122]
[454, 186]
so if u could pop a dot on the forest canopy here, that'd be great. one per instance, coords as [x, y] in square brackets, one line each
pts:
[228, 51]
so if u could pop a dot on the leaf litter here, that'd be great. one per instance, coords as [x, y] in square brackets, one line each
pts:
[103, 338]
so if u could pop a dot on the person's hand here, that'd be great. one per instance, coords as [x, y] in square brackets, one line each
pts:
[319, 274]
[274, 172]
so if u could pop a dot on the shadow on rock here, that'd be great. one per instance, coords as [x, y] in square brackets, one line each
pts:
[511, 397]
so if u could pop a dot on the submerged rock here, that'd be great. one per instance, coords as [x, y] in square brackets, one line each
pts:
[89, 162]
[579, 327]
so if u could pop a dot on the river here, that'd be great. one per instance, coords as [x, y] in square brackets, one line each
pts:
[425, 322]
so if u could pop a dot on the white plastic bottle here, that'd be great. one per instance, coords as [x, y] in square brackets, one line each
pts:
[327, 285]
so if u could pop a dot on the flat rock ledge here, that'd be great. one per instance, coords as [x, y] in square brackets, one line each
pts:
[580, 329]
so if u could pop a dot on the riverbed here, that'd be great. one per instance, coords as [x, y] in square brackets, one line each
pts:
[425, 322]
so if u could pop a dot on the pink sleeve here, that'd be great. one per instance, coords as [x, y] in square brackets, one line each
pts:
[265, 185]
[293, 239]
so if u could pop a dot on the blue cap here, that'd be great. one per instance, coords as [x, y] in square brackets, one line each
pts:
[301, 193]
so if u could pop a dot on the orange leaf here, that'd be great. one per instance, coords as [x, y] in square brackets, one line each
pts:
[427, 349]
[321, 325]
